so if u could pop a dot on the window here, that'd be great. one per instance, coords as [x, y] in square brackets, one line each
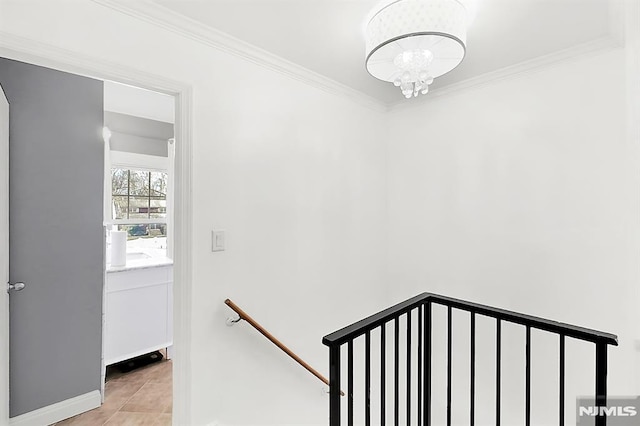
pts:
[139, 202]
[138, 194]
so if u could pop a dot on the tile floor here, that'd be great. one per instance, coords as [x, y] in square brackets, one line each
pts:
[141, 397]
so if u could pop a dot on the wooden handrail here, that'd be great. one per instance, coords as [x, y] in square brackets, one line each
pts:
[243, 315]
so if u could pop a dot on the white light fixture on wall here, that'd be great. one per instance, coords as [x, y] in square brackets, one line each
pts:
[411, 42]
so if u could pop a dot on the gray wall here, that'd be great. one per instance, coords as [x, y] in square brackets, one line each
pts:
[137, 134]
[56, 234]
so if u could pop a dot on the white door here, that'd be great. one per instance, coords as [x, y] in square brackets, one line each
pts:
[4, 258]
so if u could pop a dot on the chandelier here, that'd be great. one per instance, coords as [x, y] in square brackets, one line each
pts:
[411, 42]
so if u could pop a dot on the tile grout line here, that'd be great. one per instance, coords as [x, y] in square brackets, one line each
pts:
[110, 417]
[124, 403]
[119, 410]
[153, 377]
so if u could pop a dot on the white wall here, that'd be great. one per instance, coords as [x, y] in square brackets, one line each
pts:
[523, 194]
[296, 178]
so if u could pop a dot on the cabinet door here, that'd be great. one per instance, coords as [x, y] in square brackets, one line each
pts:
[138, 313]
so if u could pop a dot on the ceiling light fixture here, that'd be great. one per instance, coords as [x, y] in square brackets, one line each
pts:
[411, 42]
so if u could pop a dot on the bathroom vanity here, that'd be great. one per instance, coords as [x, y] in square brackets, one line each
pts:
[138, 311]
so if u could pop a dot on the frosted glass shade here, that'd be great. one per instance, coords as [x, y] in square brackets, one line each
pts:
[436, 27]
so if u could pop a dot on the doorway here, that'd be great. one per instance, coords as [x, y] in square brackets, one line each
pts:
[182, 225]
[137, 323]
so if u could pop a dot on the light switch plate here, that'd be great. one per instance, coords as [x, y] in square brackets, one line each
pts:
[218, 241]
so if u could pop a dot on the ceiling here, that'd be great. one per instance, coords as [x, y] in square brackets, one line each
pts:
[326, 36]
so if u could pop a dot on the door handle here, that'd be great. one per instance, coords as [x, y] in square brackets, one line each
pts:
[14, 287]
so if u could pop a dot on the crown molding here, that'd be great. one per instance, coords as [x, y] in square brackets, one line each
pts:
[608, 42]
[164, 17]
[615, 38]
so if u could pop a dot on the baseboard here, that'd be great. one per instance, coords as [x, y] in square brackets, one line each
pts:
[58, 411]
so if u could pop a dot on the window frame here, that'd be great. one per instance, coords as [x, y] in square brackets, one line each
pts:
[141, 162]
[148, 198]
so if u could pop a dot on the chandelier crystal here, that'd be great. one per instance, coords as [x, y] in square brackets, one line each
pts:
[411, 42]
[415, 77]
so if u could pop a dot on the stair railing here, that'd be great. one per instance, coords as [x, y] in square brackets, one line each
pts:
[244, 316]
[423, 304]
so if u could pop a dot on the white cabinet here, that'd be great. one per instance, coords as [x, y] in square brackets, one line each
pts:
[138, 312]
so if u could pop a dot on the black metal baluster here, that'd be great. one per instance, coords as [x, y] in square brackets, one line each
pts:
[419, 400]
[396, 370]
[498, 350]
[472, 396]
[334, 386]
[449, 345]
[367, 378]
[527, 418]
[350, 383]
[601, 381]
[427, 365]
[408, 419]
[383, 374]
[424, 367]
[561, 390]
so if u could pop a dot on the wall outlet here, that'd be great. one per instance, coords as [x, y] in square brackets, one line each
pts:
[218, 241]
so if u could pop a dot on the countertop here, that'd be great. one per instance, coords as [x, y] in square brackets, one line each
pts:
[152, 262]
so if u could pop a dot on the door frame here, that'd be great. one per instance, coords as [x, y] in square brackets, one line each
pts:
[4, 240]
[36, 53]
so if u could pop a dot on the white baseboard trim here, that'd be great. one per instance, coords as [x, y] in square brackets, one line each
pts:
[58, 411]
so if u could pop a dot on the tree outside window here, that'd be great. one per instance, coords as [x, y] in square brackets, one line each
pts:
[139, 194]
